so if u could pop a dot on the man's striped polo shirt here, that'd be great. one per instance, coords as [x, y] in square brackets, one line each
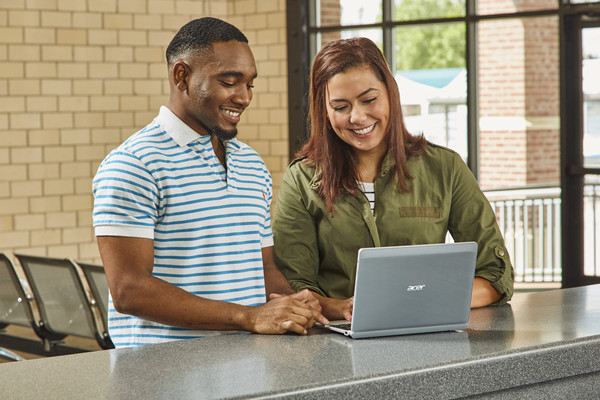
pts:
[208, 225]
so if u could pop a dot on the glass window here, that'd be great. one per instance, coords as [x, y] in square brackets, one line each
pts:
[326, 37]
[347, 12]
[487, 7]
[590, 41]
[410, 10]
[519, 124]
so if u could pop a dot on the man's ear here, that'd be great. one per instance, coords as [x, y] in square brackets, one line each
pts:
[180, 75]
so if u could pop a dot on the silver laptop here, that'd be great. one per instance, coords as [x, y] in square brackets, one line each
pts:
[411, 289]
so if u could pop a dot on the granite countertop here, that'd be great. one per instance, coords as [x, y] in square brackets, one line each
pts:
[538, 337]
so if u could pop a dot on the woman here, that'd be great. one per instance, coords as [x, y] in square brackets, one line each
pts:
[363, 180]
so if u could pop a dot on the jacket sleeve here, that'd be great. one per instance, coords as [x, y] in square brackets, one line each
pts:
[472, 219]
[295, 236]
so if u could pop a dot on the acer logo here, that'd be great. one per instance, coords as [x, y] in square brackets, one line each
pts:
[414, 288]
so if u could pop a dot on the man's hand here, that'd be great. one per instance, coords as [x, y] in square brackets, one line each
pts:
[281, 314]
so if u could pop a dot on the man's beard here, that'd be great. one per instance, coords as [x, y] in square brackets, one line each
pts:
[223, 134]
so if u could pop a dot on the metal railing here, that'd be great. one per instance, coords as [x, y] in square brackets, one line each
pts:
[529, 219]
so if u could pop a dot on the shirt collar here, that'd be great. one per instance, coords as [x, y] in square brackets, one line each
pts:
[181, 133]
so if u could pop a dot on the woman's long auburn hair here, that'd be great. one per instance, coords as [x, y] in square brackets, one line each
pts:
[324, 149]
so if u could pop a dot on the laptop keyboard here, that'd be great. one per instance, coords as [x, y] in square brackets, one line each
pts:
[345, 326]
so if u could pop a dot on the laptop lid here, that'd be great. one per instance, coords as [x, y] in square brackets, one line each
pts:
[413, 289]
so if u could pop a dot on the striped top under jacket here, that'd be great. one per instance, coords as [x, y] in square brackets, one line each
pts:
[209, 225]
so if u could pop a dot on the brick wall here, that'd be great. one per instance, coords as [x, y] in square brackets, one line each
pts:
[77, 77]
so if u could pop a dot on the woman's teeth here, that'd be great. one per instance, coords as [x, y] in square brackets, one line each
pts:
[364, 131]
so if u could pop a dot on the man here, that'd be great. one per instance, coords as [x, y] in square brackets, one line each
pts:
[182, 208]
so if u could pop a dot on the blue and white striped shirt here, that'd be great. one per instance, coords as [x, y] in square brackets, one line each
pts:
[208, 225]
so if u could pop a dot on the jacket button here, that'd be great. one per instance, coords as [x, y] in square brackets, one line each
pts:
[501, 253]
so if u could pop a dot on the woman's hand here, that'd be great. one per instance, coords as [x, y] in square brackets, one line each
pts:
[336, 309]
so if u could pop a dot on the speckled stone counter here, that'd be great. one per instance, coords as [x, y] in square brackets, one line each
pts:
[542, 345]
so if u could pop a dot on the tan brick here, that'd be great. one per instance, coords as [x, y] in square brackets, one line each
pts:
[26, 155]
[56, 19]
[57, 120]
[24, 87]
[29, 222]
[268, 36]
[88, 252]
[118, 53]
[159, 70]
[189, 7]
[75, 170]
[69, 251]
[41, 103]
[40, 35]
[104, 70]
[245, 7]
[4, 159]
[41, 4]
[270, 132]
[133, 70]
[46, 237]
[44, 171]
[104, 136]
[276, 20]
[148, 22]
[267, 100]
[118, 86]
[103, 6]
[104, 37]
[81, 202]
[56, 87]
[278, 52]
[160, 39]
[12, 104]
[256, 21]
[25, 121]
[142, 118]
[89, 120]
[257, 116]
[6, 223]
[53, 187]
[43, 137]
[149, 54]
[75, 136]
[118, 21]
[3, 87]
[118, 119]
[83, 188]
[28, 188]
[13, 206]
[14, 239]
[173, 22]
[278, 116]
[161, 7]
[72, 70]
[248, 132]
[71, 36]
[13, 138]
[24, 52]
[40, 70]
[131, 6]
[216, 8]
[239, 21]
[87, 20]
[11, 35]
[72, 5]
[134, 103]
[24, 18]
[147, 86]
[45, 204]
[87, 87]
[88, 53]
[73, 103]
[12, 173]
[61, 220]
[133, 38]
[104, 103]
[76, 235]
[12, 70]
[59, 154]
[89, 153]
[57, 53]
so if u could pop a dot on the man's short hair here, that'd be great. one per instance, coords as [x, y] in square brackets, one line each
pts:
[200, 34]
